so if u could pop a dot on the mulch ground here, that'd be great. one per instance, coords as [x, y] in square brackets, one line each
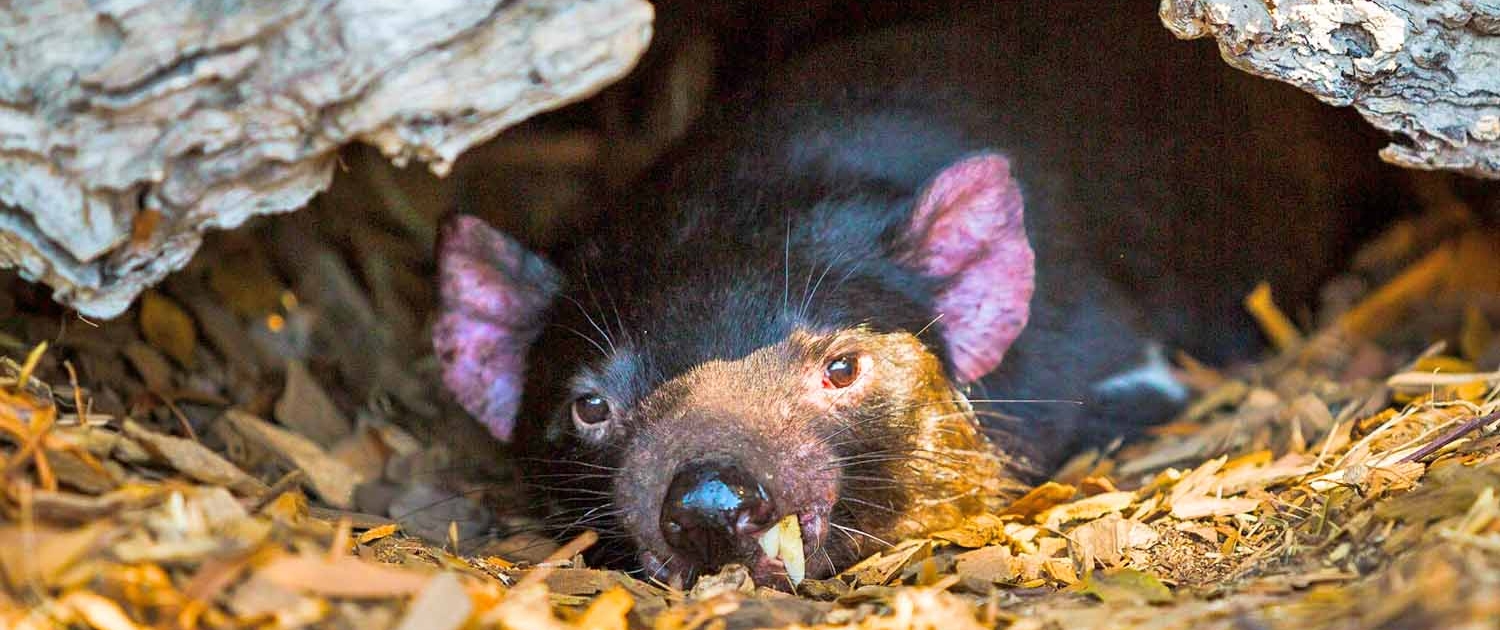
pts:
[262, 443]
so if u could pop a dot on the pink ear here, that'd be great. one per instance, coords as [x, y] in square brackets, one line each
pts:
[493, 296]
[967, 229]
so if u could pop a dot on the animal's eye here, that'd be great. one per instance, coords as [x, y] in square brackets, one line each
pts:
[841, 371]
[590, 410]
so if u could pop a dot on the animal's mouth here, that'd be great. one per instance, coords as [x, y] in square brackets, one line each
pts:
[780, 556]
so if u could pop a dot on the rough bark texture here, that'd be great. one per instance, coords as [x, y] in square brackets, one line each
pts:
[129, 127]
[1426, 70]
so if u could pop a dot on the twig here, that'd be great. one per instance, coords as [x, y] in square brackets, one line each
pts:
[1450, 437]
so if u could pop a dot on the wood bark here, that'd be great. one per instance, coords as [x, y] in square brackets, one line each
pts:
[130, 127]
[1428, 71]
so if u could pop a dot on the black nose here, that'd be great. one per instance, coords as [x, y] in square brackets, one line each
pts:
[710, 509]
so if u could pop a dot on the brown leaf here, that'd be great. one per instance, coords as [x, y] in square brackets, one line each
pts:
[195, 460]
[880, 568]
[991, 564]
[41, 553]
[168, 328]
[100, 613]
[442, 605]
[1126, 586]
[1106, 540]
[74, 509]
[153, 368]
[1040, 499]
[526, 606]
[976, 532]
[245, 282]
[330, 478]
[579, 581]
[607, 612]
[342, 576]
[306, 409]
[1198, 507]
[1085, 509]
[364, 451]
[378, 533]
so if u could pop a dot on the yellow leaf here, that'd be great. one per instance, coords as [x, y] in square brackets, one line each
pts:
[608, 611]
[378, 533]
[1475, 338]
[1125, 585]
[168, 328]
[1277, 326]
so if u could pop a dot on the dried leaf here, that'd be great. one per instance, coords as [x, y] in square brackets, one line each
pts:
[1376, 313]
[168, 328]
[1126, 586]
[1273, 321]
[1107, 540]
[342, 576]
[1040, 499]
[880, 568]
[99, 612]
[1084, 509]
[976, 532]
[1198, 507]
[442, 605]
[245, 282]
[994, 564]
[150, 364]
[526, 606]
[330, 478]
[1476, 335]
[306, 409]
[379, 532]
[42, 554]
[195, 460]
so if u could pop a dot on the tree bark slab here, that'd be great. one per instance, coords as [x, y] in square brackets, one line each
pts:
[130, 127]
[1427, 71]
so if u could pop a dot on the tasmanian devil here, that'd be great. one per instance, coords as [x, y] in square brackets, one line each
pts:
[815, 312]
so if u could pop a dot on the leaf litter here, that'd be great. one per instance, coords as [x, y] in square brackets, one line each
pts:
[247, 449]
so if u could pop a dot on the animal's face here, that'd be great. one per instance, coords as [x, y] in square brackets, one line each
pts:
[854, 434]
[848, 431]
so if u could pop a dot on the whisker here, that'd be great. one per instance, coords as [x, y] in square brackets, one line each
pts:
[590, 319]
[570, 462]
[587, 338]
[850, 531]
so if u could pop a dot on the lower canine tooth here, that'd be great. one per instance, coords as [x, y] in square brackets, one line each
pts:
[770, 542]
[790, 548]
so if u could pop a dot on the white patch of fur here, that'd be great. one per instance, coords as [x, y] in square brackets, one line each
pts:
[1154, 374]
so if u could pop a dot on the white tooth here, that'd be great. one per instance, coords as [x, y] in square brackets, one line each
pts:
[770, 542]
[791, 549]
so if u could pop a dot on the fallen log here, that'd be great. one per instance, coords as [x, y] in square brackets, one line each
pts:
[1428, 71]
[128, 129]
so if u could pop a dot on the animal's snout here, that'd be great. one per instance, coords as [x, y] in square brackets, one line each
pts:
[712, 509]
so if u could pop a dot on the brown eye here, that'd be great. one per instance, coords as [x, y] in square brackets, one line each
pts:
[590, 409]
[841, 372]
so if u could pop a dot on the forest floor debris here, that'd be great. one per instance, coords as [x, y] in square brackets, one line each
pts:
[257, 445]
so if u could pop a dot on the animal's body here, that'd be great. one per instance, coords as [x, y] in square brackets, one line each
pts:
[804, 312]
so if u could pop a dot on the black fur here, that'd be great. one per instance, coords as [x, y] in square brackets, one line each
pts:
[1159, 186]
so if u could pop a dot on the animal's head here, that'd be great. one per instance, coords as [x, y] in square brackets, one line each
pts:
[684, 396]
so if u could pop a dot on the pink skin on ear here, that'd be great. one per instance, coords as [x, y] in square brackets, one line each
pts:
[967, 229]
[493, 295]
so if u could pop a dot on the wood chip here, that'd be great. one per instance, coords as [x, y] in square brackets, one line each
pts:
[442, 605]
[1083, 509]
[306, 409]
[167, 327]
[101, 613]
[195, 460]
[344, 576]
[1040, 499]
[330, 478]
